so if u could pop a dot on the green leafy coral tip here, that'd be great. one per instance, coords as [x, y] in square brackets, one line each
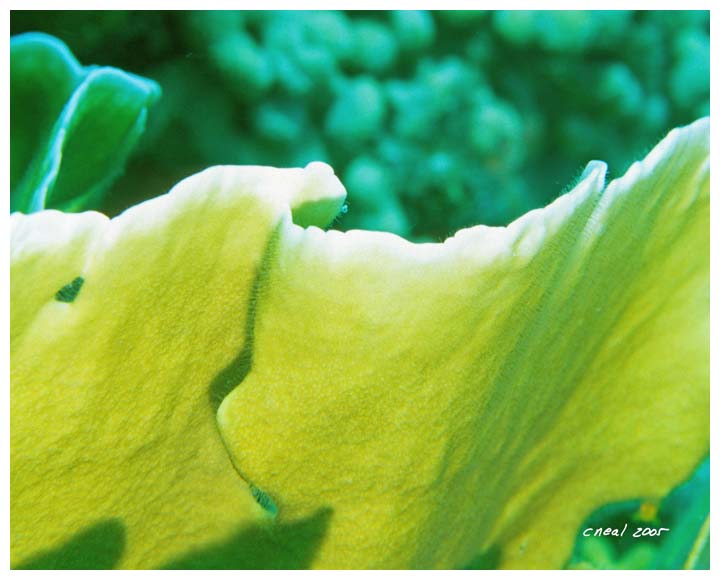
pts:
[72, 127]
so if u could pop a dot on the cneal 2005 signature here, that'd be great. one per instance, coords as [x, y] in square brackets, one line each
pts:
[638, 533]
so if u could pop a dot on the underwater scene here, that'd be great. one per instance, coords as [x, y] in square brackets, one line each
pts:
[364, 290]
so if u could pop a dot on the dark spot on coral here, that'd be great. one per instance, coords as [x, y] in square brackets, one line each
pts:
[69, 292]
[265, 501]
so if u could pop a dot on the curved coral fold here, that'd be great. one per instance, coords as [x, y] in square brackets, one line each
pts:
[488, 392]
[109, 401]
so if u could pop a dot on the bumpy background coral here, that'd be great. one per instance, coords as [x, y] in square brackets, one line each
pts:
[434, 121]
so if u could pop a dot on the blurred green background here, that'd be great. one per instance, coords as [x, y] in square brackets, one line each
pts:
[433, 120]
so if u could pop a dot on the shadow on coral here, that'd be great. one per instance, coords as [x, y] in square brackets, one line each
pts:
[487, 560]
[272, 546]
[98, 547]
[289, 546]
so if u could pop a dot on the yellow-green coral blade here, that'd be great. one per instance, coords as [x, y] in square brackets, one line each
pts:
[486, 394]
[121, 330]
